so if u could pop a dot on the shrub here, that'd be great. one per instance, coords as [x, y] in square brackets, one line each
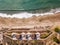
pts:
[57, 29]
[48, 31]
[43, 35]
[56, 40]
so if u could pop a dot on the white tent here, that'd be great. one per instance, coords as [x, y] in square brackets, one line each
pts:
[14, 36]
[37, 35]
[23, 36]
[29, 35]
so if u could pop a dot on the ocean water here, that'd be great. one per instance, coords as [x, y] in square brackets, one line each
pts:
[28, 4]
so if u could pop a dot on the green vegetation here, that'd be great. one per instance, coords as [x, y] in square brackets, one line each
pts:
[56, 40]
[57, 30]
[35, 42]
[48, 31]
[54, 44]
[44, 35]
[28, 4]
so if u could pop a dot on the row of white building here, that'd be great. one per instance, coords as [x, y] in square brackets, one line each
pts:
[26, 36]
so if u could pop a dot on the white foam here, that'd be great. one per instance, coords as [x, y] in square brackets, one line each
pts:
[26, 14]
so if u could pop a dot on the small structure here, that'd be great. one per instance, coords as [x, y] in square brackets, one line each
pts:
[23, 36]
[38, 36]
[14, 36]
[28, 36]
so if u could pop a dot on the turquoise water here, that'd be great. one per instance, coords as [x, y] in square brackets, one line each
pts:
[28, 4]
